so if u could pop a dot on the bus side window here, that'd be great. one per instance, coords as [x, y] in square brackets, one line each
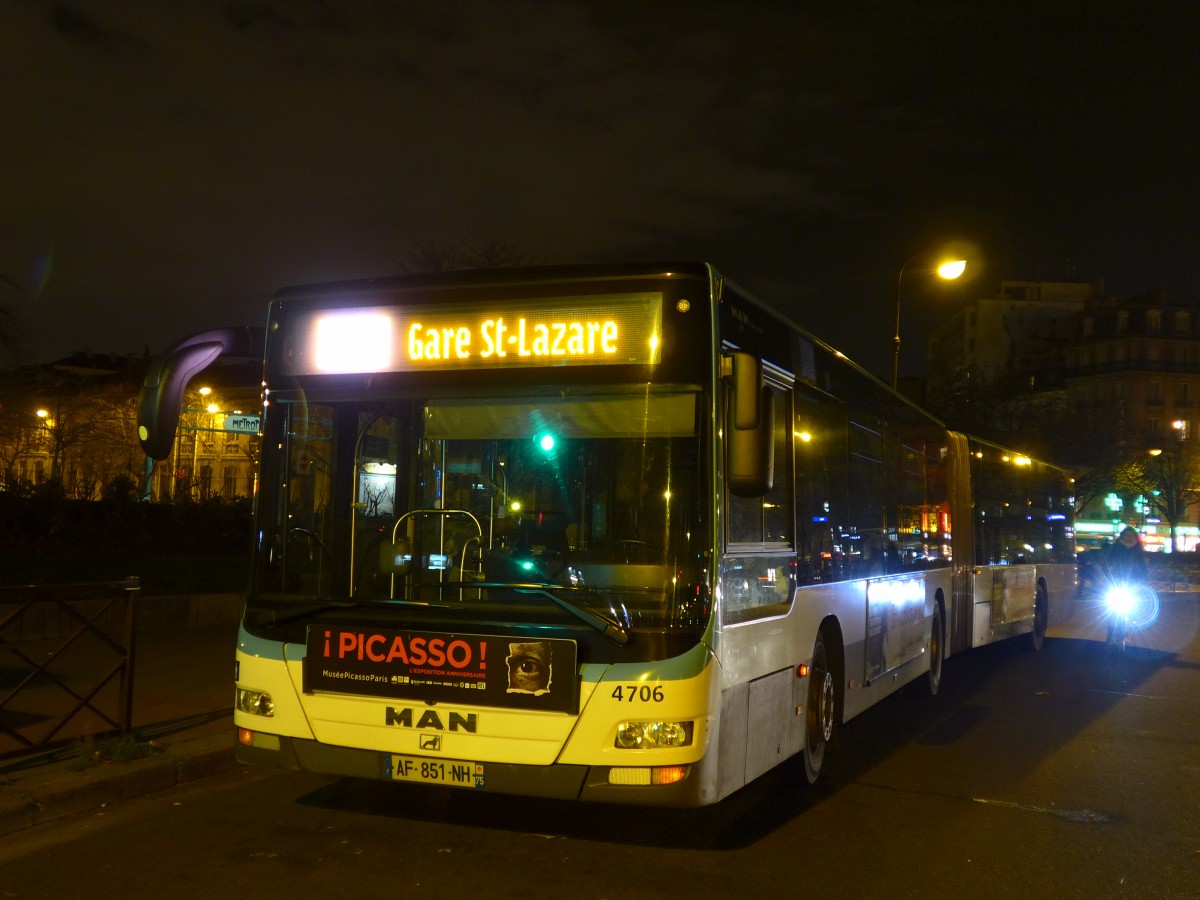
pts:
[821, 486]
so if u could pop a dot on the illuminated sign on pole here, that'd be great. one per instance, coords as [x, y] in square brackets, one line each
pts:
[239, 424]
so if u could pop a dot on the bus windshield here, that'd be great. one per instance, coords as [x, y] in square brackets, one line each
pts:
[514, 509]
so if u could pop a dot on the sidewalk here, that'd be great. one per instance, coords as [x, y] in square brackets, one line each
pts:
[182, 702]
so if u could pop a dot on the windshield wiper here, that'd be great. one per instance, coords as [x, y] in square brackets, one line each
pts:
[606, 625]
[311, 611]
[333, 605]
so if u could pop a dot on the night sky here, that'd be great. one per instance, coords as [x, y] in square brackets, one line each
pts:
[166, 166]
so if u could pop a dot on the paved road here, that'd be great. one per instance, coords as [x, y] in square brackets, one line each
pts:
[1056, 774]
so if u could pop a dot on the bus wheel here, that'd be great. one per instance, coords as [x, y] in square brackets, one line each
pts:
[820, 712]
[937, 654]
[1041, 618]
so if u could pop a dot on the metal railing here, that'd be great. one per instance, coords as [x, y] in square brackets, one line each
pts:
[61, 647]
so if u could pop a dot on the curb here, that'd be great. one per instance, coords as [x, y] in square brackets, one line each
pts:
[52, 793]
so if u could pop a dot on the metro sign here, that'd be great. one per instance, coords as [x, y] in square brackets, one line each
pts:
[243, 424]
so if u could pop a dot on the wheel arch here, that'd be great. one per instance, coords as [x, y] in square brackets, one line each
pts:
[835, 647]
[939, 601]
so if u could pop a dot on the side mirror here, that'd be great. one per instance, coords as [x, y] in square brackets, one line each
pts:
[168, 376]
[746, 377]
[750, 432]
[395, 558]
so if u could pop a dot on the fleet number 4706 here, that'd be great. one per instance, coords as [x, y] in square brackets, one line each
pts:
[642, 693]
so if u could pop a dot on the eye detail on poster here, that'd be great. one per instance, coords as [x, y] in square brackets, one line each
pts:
[482, 670]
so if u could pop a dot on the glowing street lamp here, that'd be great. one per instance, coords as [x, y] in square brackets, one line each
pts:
[946, 268]
[52, 439]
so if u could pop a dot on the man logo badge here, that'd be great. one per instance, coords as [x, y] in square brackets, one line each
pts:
[430, 742]
[430, 719]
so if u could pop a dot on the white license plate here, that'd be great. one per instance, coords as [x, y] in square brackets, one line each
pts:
[451, 772]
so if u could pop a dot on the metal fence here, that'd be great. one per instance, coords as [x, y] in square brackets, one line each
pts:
[66, 663]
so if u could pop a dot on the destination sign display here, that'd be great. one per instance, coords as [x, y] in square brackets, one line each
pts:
[619, 329]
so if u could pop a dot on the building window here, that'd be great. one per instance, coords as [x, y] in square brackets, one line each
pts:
[1153, 321]
[1183, 322]
[1154, 393]
[1183, 394]
[230, 479]
[1122, 321]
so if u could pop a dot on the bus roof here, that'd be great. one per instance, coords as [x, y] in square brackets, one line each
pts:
[505, 276]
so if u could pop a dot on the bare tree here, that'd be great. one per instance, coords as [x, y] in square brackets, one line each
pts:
[19, 429]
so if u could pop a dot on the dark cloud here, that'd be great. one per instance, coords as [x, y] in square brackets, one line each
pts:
[169, 165]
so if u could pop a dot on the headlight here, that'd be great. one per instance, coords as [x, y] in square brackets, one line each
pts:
[257, 703]
[648, 735]
[1120, 599]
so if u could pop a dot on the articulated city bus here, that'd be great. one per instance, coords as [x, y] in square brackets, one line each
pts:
[618, 533]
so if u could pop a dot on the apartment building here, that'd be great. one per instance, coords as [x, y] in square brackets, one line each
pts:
[1125, 372]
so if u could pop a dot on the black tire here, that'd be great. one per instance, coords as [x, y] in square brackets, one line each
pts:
[820, 712]
[1117, 636]
[937, 651]
[1041, 619]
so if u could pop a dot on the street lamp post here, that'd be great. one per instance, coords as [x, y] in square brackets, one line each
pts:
[51, 425]
[948, 269]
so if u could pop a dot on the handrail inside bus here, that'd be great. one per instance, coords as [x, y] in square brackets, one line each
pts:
[391, 556]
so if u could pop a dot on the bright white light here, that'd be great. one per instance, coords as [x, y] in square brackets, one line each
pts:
[898, 592]
[1120, 599]
[952, 269]
[378, 468]
[352, 341]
